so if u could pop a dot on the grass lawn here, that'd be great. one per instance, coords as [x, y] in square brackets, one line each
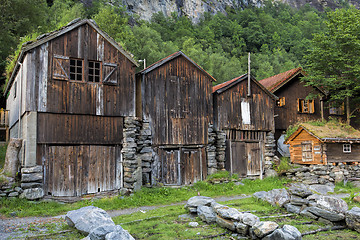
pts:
[144, 197]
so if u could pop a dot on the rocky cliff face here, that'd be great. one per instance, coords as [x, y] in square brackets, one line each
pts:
[195, 8]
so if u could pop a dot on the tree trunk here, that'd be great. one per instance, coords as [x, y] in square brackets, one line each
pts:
[348, 110]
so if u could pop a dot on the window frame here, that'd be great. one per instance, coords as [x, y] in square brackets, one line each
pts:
[76, 67]
[100, 75]
[346, 148]
[305, 153]
[280, 102]
[306, 106]
[337, 110]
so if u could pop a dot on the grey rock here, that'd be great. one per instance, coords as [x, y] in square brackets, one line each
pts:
[88, 218]
[18, 189]
[353, 219]
[229, 213]
[262, 229]
[206, 214]
[13, 194]
[31, 185]
[299, 189]
[260, 195]
[197, 201]
[270, 173]
[36, 169]
[31, 177]
[193, 224]
[295, 200]
[241, 228]
[278, 197]
[225, 223]
[32, 193]
[321, 189]
[332, 204]
[100, 232]
[323, 220]
[287, 232]
[292, 208]
[331, 216]
[250, 219]
[311, 180]
[308, 214]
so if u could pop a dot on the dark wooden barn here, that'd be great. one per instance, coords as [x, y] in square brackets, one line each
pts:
[175, 99]
[292, 106]
[331, 143]
[246, 115]
[68, 96]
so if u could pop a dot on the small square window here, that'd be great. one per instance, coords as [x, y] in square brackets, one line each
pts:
[347, 148]
[76, 69]
[280, 102]
[94, 71]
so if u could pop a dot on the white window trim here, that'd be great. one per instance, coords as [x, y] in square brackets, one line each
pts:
[347, 148]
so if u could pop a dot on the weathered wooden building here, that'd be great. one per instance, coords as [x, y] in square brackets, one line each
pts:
[292, 106]
[324, 144]
[174, 101]
[68, 96]
[246, 116]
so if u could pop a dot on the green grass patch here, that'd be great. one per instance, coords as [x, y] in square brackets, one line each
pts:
[222, 175]
[254, 205]
[340, 187]
[2, 155]
[144, 197]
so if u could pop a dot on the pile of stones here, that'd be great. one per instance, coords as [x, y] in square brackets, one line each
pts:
[323, 174]
[304, 200]
[96, 224]
[244, 223]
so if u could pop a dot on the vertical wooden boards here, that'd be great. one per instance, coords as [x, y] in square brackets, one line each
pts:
[81, 169]
[253, 159]
[238, 158]
[176, 99]
[170, 162]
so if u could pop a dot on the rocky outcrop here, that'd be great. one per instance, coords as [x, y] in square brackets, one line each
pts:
[194, 9]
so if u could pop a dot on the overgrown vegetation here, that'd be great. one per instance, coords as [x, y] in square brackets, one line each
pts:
[144, 197]
[277, 35]
[222, 175]
[283, 166]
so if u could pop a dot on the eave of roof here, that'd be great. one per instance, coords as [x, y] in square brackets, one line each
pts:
[222, 87]
[275, 82]
[49, 36]
[171, 57]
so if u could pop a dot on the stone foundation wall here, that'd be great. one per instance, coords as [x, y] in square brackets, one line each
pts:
[211, 150]
[323, 174]
[146, 153]
[220, 149]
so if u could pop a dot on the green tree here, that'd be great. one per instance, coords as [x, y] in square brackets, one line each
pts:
[334, 61]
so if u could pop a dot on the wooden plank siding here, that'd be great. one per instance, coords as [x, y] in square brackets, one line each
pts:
[76, 170]
[228, 111]
[288, 114]
[296, 149]
[176, 100]
[79, 129]
[335, 154]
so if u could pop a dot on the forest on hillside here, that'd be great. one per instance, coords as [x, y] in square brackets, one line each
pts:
[277, 36]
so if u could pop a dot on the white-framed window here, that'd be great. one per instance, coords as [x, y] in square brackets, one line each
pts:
[347, 148]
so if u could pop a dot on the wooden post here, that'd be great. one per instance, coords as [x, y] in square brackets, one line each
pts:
[249, 90]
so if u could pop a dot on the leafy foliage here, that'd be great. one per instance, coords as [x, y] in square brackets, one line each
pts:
[277, 36]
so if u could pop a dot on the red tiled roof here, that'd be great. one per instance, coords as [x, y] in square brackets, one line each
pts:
[224, 84]
[272, 83]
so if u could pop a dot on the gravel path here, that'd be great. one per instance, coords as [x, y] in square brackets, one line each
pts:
[17, 228]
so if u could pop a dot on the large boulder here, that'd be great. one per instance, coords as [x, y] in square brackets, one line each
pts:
[250, 219]
[225, 223]
[12, 162]
[331, 216]
[278, 197]
[88, 218]
[194, 202]
[322, 189]
[299, 189]
[292, 208]
[332, 204]
[298, 201]
[229, 213]
[206, 214]
[287, 232]
[241, 228]
[353, 219]
[110, 232]
[262, 229]
[32, 193]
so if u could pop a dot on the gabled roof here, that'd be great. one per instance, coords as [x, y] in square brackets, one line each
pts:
[171, 57]
[222, 87]
[275, 82]
[49, 36]
[328, 132]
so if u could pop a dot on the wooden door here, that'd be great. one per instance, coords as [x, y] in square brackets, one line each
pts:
[80, 169]
[193, 165]
[253, 159]
[170, 166]
[236, 161]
